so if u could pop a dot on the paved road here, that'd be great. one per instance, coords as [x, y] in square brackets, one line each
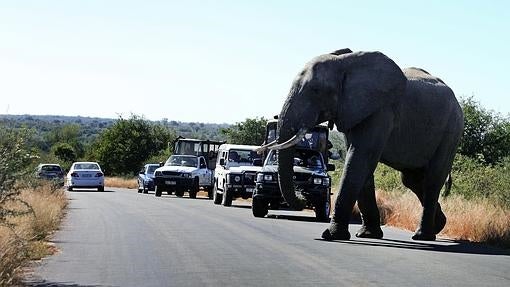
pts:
[122, 238]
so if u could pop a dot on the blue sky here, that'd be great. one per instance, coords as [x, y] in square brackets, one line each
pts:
[225, 61]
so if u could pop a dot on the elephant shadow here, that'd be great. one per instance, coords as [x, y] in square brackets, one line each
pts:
[440, 245]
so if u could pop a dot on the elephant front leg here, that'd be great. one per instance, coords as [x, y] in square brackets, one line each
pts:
[371, 220]
[366, 143]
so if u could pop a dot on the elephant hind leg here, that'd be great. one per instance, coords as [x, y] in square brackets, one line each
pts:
[371, 220]
[414, 180]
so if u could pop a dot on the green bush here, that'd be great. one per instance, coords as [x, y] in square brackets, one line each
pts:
[15, 164]
[473, 180]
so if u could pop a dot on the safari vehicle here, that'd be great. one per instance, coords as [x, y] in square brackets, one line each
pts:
[310, 174]
[189, 169]
[235, 174]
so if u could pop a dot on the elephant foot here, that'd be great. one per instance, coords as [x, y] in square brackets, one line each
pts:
[335, 233]
[372, 232]
[440, 221]
[420, 235]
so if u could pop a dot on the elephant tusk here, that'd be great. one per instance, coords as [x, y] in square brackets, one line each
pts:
[266, 146]
[291, 142]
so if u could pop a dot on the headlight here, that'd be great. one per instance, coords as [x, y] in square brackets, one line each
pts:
[317, 180]
[186, 175]
[325, 181]
[268, 177]
[260, 177]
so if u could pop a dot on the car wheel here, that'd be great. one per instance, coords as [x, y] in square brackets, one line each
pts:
[145, 189]
[140, 189]
[259, 207]
[194, 190]
[227, 198]
[217, 198]
[157, 190]
[100, 189]
[322, 211]
[209, 192]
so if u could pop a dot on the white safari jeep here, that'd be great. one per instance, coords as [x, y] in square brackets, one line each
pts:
[235, 173]
[183, 173]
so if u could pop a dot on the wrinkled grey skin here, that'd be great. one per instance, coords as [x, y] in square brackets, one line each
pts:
[407, 119]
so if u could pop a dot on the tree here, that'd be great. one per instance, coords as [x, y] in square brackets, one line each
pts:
[65, 152]
[69, 134]
[249, 132]
[128, 143]
[486, 134]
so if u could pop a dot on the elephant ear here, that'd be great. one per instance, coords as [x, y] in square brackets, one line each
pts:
[369, 82]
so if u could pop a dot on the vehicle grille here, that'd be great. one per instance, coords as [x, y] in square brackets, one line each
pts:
[171, 173]
[249, 178]
[301, 176]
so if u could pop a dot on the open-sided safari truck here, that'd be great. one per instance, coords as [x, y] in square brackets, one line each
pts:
[190, 168]
[310, 173]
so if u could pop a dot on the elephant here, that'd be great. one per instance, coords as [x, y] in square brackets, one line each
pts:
[406, 119]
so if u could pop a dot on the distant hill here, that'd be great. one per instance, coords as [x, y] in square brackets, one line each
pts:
[91, 127]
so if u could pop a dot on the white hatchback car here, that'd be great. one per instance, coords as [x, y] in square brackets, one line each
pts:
[85, 175]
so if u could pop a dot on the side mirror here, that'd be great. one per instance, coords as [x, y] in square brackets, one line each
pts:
[161, 164]
[142, 172]
[331, 167]
[257, 162]
[203, 165]
[222, 161]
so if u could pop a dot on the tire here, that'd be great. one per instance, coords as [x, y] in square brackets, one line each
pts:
[217, 198]
[179, 193]
[195, 188]
[140, 189]
[209, 192]
[322, 211]
[158, 191]
[100, 189]
[227, 198]
[145, 190]
[259, 207]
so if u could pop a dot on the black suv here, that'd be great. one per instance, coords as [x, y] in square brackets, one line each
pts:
[310, 179]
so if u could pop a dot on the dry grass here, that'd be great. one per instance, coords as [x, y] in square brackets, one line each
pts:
[473, 220]
[26, 241]
[121, 182]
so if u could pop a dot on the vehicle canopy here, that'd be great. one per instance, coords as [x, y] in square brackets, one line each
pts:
[316, 139]
[206, 148]
[238, 155]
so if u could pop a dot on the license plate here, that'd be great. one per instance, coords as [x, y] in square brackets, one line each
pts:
[169, 182]
[249, 189]
[87, 175]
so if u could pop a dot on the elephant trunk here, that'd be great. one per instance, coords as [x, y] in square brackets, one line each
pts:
[291, 123]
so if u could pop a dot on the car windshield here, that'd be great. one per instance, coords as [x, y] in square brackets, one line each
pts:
[152, 168]
[86, 166]
[304, 158]
[242, 157]
[181, 160]
[51, 168]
